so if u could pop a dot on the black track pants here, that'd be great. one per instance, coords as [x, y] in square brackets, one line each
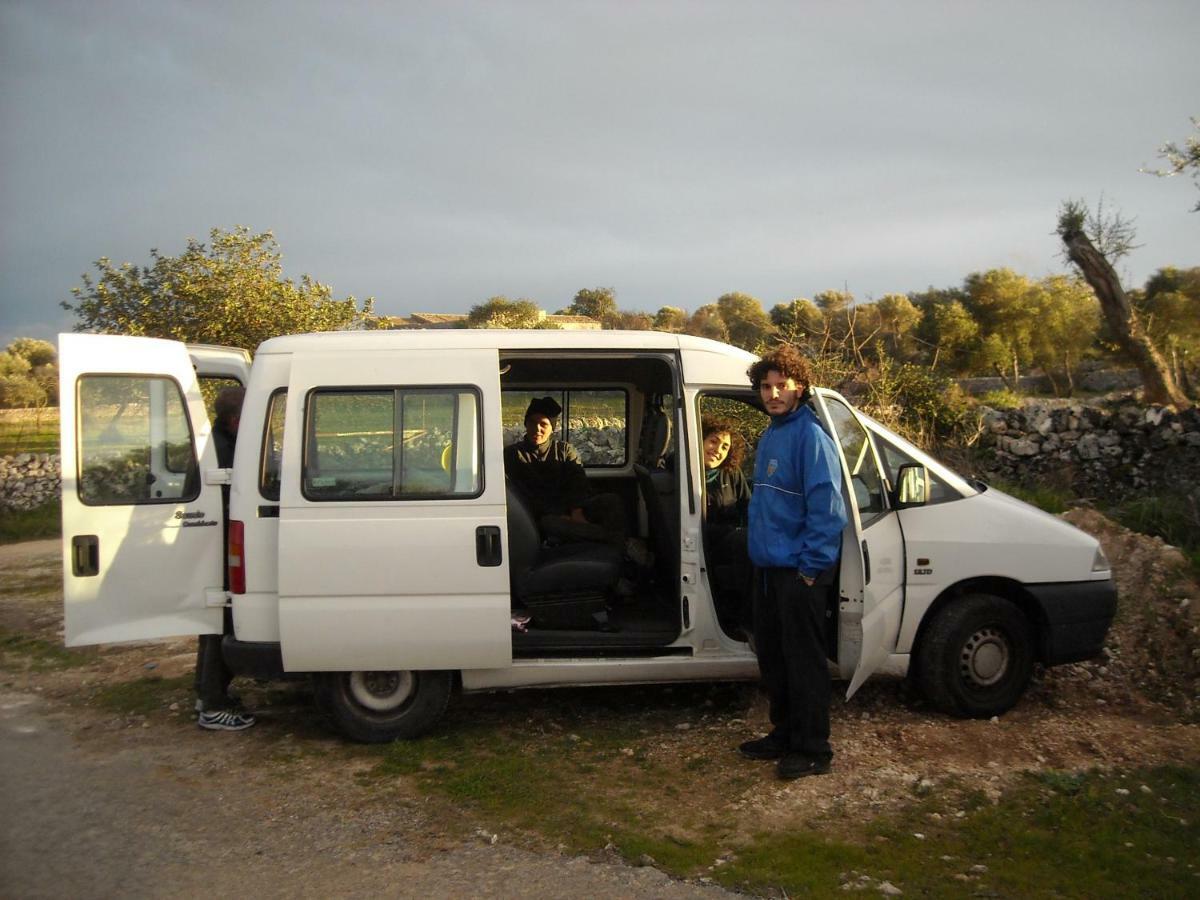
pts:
[789, 636]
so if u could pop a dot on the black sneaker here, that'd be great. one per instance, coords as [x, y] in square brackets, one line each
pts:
[224, 720]
[798, 765]
[770, 747]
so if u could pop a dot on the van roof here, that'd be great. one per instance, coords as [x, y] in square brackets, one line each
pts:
[502, 339]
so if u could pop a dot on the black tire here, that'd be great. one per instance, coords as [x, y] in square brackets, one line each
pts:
[976, 657]
[379, 707]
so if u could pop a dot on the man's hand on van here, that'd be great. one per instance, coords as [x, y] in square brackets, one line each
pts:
[577, 516]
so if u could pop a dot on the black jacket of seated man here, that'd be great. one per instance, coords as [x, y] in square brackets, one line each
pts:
[550, 475]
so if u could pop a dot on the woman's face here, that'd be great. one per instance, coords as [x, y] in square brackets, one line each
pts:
[716, 448]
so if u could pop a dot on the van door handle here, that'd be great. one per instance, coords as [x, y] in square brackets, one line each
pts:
[487, 545]
[866, 564]
[85, 555]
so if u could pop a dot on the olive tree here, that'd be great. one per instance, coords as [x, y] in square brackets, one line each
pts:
[230, 291]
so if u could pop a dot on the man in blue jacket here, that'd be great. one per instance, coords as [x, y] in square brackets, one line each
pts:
[796, 519]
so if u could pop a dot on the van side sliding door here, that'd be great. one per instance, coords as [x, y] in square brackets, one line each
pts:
[392, 528]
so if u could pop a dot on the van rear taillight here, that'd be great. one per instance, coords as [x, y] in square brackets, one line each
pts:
[237, 557]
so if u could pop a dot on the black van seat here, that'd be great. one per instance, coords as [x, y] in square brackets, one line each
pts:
[664, 532]
[566, 586]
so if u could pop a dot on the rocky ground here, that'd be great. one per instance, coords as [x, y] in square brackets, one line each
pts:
[321, 829]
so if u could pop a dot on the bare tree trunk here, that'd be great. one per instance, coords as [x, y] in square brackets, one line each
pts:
[1157, 382]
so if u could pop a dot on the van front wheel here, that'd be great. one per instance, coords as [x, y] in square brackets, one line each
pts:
[378, 707]
[976, 658]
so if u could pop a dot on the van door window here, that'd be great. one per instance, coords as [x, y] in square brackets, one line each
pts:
[865, 481]
[135, 441]
[893, 457]
[393, 444]
[271, 463]
[594, 422]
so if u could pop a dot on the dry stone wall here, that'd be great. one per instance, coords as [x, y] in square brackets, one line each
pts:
[28, 480]
[1103, 452]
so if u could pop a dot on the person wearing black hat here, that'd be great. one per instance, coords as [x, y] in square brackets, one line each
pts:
[550, 473]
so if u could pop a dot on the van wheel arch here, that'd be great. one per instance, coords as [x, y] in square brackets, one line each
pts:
[380, 707]
[974, 655]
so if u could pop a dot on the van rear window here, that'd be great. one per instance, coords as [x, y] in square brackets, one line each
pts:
[135, 441]
[393, 444]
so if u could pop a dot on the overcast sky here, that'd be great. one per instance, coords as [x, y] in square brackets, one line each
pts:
[435, 154]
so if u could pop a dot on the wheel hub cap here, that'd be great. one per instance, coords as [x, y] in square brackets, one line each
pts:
[381, 691]
[984, 659]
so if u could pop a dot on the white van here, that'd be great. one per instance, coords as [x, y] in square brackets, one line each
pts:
[373, 541]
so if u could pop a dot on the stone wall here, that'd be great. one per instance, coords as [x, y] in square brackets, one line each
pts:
[1105, 452]
[28, 480]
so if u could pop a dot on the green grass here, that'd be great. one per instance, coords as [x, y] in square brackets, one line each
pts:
[27, 525]
[1051, 499]
[36, 653]
[1056, 834]
[28, 431]
[1174, 518]
[146, 695]
[1001, 399]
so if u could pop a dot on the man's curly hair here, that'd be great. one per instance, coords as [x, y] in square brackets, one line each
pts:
[737, 446]
[787, 361]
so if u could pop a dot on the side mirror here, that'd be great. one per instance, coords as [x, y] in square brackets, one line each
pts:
[911, 488]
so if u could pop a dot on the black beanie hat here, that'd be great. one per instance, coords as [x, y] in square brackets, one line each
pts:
[543, 406]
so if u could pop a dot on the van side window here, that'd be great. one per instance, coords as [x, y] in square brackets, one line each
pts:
[134, 441]
[272, 446]
[393, 444]
[594, 422]
[865, 481]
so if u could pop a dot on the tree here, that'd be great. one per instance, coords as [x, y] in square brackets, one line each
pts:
[898, 317]
[500, 312]
[1181, 159]
[1006, 306]
[670, 318]
[745, 320]
[797, 320]
[949, 329]
[1074, 224]
[1068, 319]
[231, 291]
[1170, 307]
[630, 320]
[599, 303]
[28, 374]
[707, 322]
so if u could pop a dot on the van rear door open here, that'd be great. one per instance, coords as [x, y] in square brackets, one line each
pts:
[141, 526]
[392, 530]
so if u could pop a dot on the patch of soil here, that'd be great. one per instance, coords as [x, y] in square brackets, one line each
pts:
[1134, 706]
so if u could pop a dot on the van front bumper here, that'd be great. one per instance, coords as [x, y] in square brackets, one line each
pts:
[1075, 617]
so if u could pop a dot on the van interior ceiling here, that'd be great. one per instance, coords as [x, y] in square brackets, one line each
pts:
[642, 613]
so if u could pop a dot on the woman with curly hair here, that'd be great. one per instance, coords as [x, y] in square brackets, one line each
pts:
[726, 502]
[726, 490]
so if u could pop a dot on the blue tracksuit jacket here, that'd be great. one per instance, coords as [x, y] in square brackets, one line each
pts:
[796, 511]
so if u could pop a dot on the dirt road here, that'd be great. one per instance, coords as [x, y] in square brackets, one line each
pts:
[152, 821]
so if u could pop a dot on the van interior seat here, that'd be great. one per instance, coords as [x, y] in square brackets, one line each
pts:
[539, 571]
[663, 528]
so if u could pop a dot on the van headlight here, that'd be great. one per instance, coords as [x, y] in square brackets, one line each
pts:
[1100, 561]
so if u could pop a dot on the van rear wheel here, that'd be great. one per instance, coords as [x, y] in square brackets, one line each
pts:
[378, 707]
[976, 657]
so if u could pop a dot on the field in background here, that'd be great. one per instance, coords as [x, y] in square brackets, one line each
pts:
[28, 431]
